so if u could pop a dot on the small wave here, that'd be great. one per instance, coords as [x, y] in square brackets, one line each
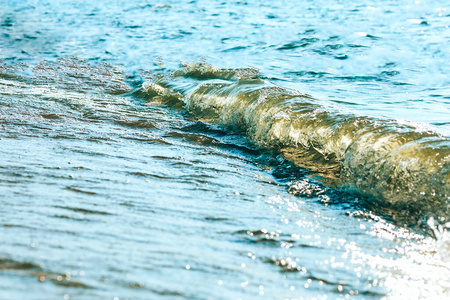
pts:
[34, 270]
[394, 164]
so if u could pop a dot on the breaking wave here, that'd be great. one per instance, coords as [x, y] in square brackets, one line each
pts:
[393, 163]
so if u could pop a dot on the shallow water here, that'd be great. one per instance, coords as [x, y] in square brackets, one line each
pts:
[124, 175]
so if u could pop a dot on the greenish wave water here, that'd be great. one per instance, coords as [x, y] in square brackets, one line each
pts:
[399, 165]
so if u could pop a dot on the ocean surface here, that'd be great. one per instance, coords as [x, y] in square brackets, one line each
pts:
[224, 149]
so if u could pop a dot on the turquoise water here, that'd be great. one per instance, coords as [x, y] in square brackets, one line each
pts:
[212, 150]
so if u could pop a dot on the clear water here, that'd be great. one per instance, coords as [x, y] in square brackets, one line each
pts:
[108, 193]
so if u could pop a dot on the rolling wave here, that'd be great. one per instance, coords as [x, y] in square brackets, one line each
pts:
[395, 164]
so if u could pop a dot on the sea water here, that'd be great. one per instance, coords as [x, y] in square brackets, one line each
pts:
[224, 150]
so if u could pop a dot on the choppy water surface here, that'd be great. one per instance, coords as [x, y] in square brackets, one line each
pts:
[305, 153]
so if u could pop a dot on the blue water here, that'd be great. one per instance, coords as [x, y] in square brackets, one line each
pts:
[109, 193]
[387, 58]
